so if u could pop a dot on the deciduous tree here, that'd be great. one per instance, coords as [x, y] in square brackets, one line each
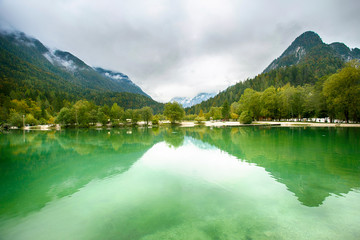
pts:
[174, 112]
[342, 92]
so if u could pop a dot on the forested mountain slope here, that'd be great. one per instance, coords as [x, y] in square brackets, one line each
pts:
[29, 70]
[306, 61]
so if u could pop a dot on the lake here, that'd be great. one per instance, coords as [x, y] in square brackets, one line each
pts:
[181, 183]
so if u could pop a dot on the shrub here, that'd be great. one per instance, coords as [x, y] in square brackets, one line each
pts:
[29, 119]
[200, 120]
[245, 118]
[155, 120]
[15, 118]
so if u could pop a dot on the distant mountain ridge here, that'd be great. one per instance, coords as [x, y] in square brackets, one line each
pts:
[189, 102]
[310, 43]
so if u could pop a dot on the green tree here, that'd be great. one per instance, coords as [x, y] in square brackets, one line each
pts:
[201, 113]
[106, 110]
[250, 102]
[15, 118]
[93, 118]
[269, 103]
[174, 112]
[200, 118]
[245, 117]
[146, 114]
[102, 117]
[291, 101]
[342, 92]
[116, 112]
[234, 110]
[30, 119]
[155, 120]
[20, 106]
[65, 116]
[132, 114]
[82, 110]
[225, 111]
[214, 113]
[312, 101]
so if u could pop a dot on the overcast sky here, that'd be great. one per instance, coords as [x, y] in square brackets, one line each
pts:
[182, 47]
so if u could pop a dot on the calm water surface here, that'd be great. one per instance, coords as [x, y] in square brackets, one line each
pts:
[181, 183]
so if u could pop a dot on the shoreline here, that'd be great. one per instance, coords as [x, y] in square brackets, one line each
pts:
[268, 123]
[310, 124]
[217, 124]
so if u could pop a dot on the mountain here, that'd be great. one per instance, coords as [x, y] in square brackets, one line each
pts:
[123, 80]
[344, 52]
[64, 64]
[306, 61]
[28, 69]
[188, 102]
[309, 46]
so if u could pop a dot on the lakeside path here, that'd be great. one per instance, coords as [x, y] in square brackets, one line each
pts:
[310, 124]
[283, 124]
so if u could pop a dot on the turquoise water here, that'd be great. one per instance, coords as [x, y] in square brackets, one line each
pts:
[181, 183]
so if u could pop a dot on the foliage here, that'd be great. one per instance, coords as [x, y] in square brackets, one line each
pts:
[155, 120]
[15, 118]
[30, 120]
[250, 102]
[133, 115]
[201, 113]
[234, 108]
[309, 72]
[190, 117]
[234, 116]
[200, 120]
[269, 103]
[102, 117]
[174, 112]
[146, 114]
[82, 110]
[225, 111]
[342, 93]
[245, 117]
[116, 112]
[65, 117]
[214, 113]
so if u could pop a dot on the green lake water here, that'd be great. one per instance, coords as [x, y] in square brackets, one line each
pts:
[180, 183]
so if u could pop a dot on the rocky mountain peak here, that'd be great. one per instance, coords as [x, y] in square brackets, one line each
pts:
[309, 47]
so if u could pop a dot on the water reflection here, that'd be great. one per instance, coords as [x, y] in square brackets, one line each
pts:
[181, 183]
[312, 163]
[37, 167]
[50, 165]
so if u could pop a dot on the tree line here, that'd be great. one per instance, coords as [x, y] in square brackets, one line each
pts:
[84, 113]
[310, 72]
[334, 97]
